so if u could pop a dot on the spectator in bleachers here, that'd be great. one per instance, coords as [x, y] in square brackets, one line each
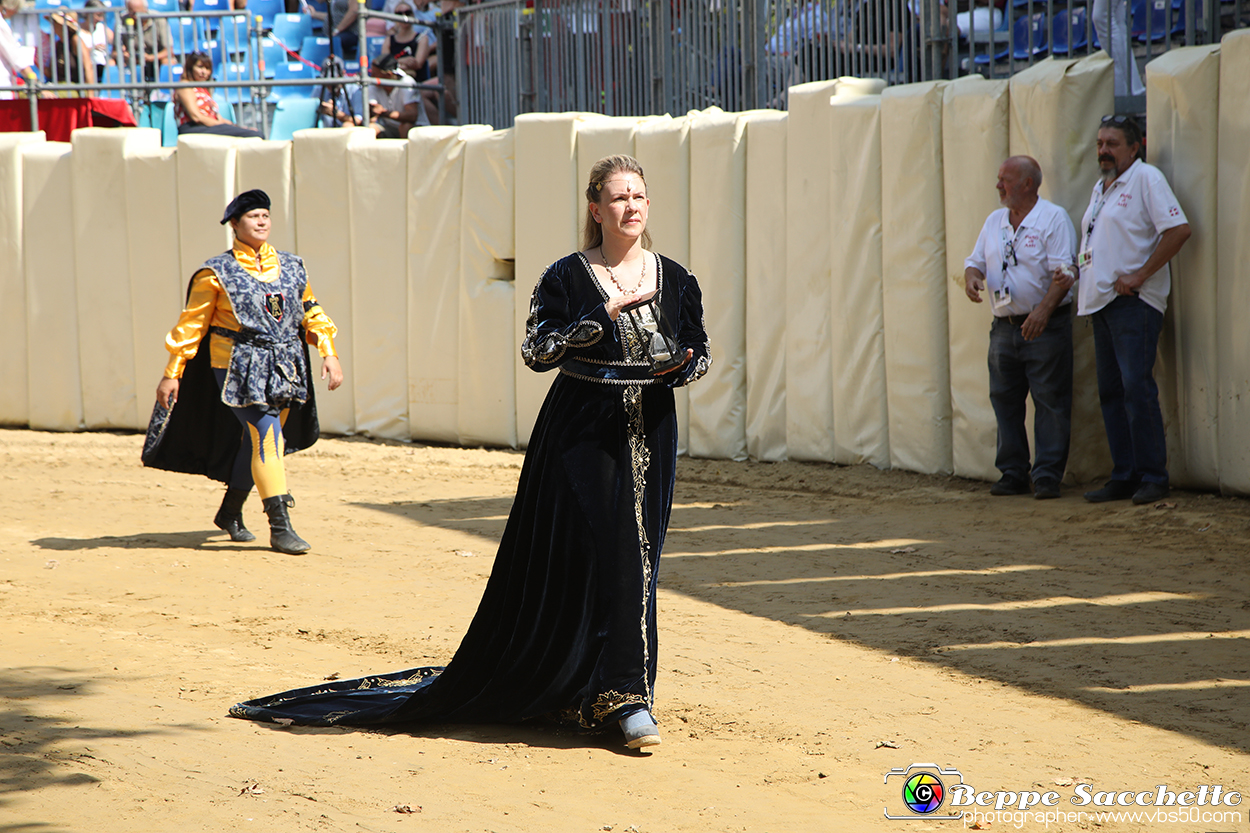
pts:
[393, 111]
[1019, 248]
[407, 46]
[791, 47]
[1112, 23]
[98, 35]
[69, 58]
[447, 55]
[16, 60]
[982, 18]
[194, 107]
[878, 38]
[157, 42]
[425, 16]
[344, 13]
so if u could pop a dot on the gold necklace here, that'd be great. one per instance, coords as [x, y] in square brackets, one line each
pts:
[612, 277]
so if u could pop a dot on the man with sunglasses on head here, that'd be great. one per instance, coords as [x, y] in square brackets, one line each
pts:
[1131, 229]
[1017, 253]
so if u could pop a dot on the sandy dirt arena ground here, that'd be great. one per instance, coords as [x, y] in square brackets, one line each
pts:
[819, 626]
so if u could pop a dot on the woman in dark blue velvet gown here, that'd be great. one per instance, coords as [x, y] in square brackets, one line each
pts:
[567, 625]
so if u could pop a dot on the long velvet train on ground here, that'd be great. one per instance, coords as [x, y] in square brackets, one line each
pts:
[567, 623]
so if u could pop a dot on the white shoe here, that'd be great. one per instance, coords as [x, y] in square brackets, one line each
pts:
[640, 730]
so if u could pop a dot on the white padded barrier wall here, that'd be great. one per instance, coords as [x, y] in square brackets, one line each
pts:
[546, 172]
[435, 180]
[1184, 126]
[1054, 114]
[379, 322]
[662, 147]
[106, 334]
[323, 237]
[487, 383]
[809, 350]
[974, 145]
[268, 166]
[718, 259]
[158, 284]
[860, 418]
[1233, 291]
[14, 403]
[765, 221]
[206, 178]
[54, 389]
[914, 278]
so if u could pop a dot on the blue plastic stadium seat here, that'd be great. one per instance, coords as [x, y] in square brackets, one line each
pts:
[164, 6]
[210, 23]
[169, 125]
[114, 75]
[373, 48]
[187, 33]
[315, 49]
[1072, 21]
[291, 29]
[266, 10]
[292, 69]
[1019, 48]
[170, 74]
[231, 42]
[273, 54]
[293, 114]
[1150, 19]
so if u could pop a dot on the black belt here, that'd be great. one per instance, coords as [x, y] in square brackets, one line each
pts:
[609, 374]
[250, 337]
[1018, 320]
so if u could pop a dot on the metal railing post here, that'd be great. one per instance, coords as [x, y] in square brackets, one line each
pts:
[362, 57]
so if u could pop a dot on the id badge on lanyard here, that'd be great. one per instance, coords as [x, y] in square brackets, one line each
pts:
[1086, 256]
[1001, 297]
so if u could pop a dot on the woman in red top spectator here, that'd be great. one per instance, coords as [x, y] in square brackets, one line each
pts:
[194, 108]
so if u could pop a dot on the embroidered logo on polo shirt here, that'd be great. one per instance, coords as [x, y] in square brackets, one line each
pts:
[1124, 199]
[274, 305]
[1174, 212]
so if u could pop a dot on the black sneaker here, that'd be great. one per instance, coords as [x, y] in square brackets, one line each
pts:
[1114, 490]
[1150, 492]
[1045, 488]
[1009, 485]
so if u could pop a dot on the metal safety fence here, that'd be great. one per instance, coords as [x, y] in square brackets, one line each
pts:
[255, 63]
[649, 57]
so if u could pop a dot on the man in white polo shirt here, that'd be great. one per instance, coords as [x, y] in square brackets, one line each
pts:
[1019, 248]
[1132, 228]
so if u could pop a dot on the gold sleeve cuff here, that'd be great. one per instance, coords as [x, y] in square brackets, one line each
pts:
[320, 329]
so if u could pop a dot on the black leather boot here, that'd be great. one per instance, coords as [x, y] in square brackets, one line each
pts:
[281, 537]
[230, 515]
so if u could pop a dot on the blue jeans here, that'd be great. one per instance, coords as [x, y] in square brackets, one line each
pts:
[1043, 368]
[1126, 339]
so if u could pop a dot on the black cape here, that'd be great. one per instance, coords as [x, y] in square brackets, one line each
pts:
[200, 434]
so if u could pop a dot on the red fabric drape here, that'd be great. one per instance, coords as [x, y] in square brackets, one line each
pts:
[58, 117]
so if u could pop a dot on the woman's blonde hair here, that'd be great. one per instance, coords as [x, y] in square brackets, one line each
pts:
[600, 173]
